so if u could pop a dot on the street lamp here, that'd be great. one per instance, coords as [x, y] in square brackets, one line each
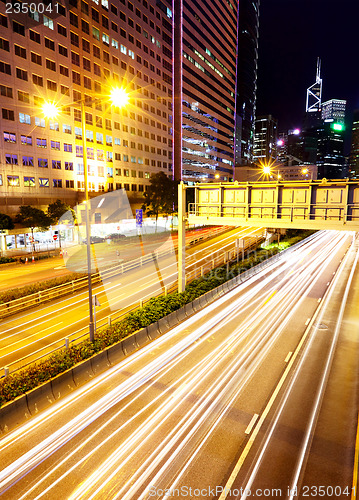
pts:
[119, 98]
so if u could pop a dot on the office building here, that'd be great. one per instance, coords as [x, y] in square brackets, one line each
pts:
[81, 53]
[354, 151]
[205, 53]
[178, 64]
[330, 151]
[334, 110]
[265, 139]
[248, 26]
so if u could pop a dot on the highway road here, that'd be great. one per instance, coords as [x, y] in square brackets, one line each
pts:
[27, 332]
[241, 394]
[17, 275]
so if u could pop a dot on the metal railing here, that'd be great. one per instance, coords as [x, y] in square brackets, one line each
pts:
[37, 298]
[322, 212]
[81, 334]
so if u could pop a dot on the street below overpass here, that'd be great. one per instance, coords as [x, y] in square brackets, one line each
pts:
[25, 333]
[258, 391]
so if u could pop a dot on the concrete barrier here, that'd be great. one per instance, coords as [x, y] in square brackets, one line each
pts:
[172, 319]
[100, 362]
[196, 304]
[163, 325]
[181, 314]
[40, 398]
[115, 353]
[189, 309]
[14, 413]
[203, 300]
[82, 372]
[63, 384]
[153, 331]
[142, 337]
[129, 345]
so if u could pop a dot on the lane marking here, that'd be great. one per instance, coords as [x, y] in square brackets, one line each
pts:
[288, 357]
[271, 295]
[251, 423]
[307, 322]
[356, 466]
[319, 299]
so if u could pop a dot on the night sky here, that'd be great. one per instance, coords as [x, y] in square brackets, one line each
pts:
[292, 34]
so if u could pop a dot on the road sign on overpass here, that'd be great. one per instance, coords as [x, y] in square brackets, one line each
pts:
[310, 204]
[307, 204]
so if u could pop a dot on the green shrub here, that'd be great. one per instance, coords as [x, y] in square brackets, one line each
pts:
[6, 260]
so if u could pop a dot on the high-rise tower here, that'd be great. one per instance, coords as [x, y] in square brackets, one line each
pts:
[205, 61]
[313, 105]
[248, 26]
[354, 151]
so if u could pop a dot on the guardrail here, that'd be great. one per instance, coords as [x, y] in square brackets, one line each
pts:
[79, 335]
[17, 305]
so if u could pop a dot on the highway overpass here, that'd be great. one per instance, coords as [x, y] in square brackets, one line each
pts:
[307, 204]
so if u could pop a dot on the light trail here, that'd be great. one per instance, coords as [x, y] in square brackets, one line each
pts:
[285, 398]
[212, 384]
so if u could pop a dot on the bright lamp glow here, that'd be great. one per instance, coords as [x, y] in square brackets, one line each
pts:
[50, 109]
[280, 142]
[296, 131]
[337, 126]
[119, 97]
[266, 169]
[305, 171]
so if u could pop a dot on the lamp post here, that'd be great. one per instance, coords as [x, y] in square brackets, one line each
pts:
[119, 98]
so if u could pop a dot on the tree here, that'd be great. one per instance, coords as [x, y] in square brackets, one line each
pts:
[161, 197]
[33, 217]
[56, 210]
[6, 222]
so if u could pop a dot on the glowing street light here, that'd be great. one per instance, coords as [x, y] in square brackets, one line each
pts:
[266, 169]
[50, 110]
[119, 98]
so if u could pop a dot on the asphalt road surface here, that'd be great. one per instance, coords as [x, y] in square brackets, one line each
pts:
[241, 394]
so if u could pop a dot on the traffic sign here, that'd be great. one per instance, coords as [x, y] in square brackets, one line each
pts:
[55, 237]
[139, 217]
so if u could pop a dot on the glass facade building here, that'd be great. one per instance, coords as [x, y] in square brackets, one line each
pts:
[248, 26]
[205, 54]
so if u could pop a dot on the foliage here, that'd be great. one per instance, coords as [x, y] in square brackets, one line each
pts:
[56, 209]
[161, 197]
[19, 383]
[6, 260]
[6, 222]
[33, 217]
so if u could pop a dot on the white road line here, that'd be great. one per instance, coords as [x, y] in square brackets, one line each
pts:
[319, 299]
[307, 322]
[288, 357]
[251, 423]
